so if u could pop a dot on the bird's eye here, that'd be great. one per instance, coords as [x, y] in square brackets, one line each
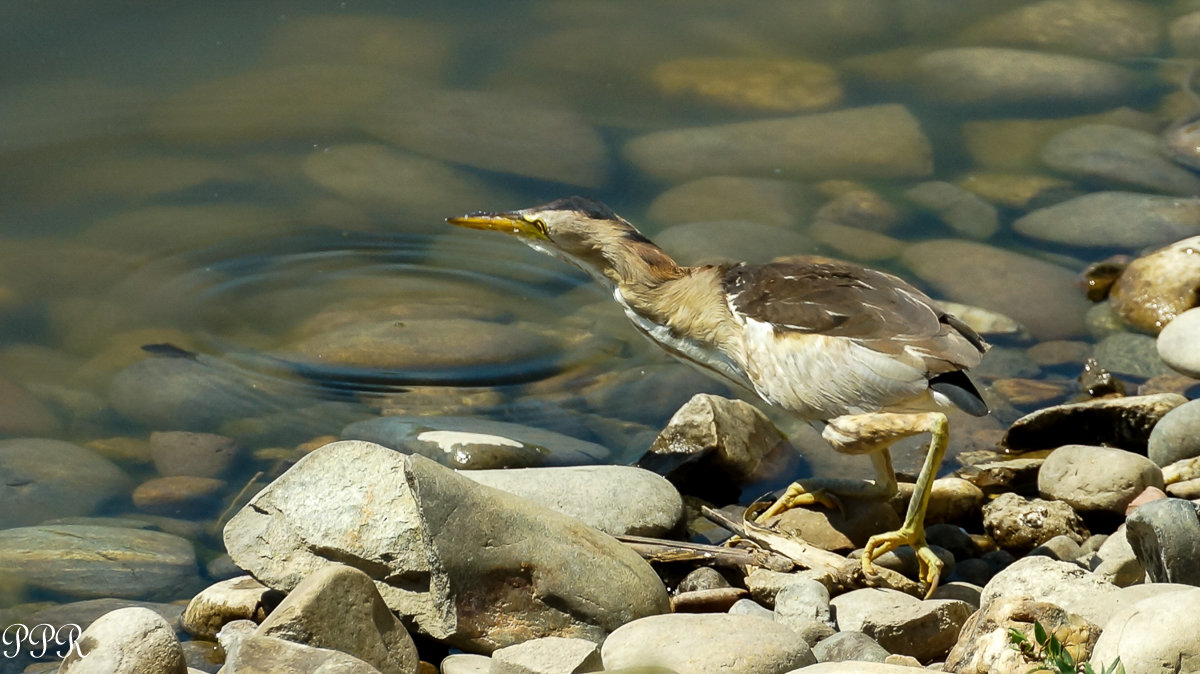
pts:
[538, 223]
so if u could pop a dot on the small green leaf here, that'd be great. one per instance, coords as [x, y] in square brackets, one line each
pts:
[1039, 634]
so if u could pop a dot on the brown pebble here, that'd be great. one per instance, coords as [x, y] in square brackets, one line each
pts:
[177, 495]
[717, 600]
[1188, 489]
[1148, 494]
[1059, 352]
[426, 668]
[1026, 392]
[1169, 383]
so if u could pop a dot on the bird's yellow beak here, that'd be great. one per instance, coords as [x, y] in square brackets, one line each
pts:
[510, 223]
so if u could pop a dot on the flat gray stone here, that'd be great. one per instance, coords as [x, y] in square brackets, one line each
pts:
[783, 203]
[1126, 220]
[1127, 353]
[547, 655]
[803, 598]
[706, 643]
[883, 141]
[618, 500]
[994, 76]
[1121, 157]
[270, 655]
[1119, 422]
[965, 212]
[925, 630]
[1001, 280]
[475, 444]
[435, 542]
[1097, 478]
[1177, 343]
[1108, 29]
[50, 479]
[185, 394]
[495, 132]
[1159, 634]
[1176, 436]
[337, 607]
[718, 241]
[97, 561]
[127, 641]
[1165, 536]
[849, 646]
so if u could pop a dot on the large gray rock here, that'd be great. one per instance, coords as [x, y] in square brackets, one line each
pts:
[1097, 478]
[991, 76]
[185, 394]
[98, 561]
[1177, 343]
[338, 608]
[849, 646]
[1165, 536]
[127, 641]
[1121, 157]
[618, 500]
[1177, 435]
[1158, 634]
[883, 141]
[476, 444]
[900, 623]
[1003, 281]
[1063, 584]
[50, 479]
[964, 211]
[1113, 220]
[435, 542]
[698, 642]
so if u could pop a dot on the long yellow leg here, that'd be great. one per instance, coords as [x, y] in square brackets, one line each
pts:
[912, 532]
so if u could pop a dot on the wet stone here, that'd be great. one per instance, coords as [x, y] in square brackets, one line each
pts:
[127, 641]
[1020, 525]
[767, 85]
[963, 211]
[1156, 288]
[855, 243]
[770, 202]
[470, 443]
[1031, 392]
[1177, 343]
[1108, 29]
[50, 479]
[405, 47]
[1003, 281]
[184, 496]
[1096, 478]
[97, 561]
[481, 129]
[198, 454]
[706, 643]
[1059, 352]
[1176, 436]
[1120, 157]
[721, 241]
[1014, 190]
[21, 414]
[398, 517]
[618, 500]
[1118, 422]
[1113, 220]
[993, 76]
[1165, 536]
[384, 180]
[883, 141]
[855, 205]
[1185, 34]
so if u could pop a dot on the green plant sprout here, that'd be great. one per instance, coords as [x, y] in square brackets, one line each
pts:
[1054, 656]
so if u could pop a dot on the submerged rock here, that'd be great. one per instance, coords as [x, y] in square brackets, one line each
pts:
[1113, 220]
[1118, 156]
[763, 200]
[1156, 288]
[1100, 28]
[883, 141]
[473, 566]
[757, 84]
[993, 76]
[48, 479]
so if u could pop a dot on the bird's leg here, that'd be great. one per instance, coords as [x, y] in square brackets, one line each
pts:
[912, 531]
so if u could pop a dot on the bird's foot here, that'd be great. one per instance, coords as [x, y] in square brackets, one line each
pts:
[797, 495]
[929, 566]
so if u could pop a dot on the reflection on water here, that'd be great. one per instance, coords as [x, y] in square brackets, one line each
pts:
[263, 189]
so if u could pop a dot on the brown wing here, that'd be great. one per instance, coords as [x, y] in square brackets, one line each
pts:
[841, 299]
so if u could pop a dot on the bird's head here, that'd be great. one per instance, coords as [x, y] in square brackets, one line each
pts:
[581, 231]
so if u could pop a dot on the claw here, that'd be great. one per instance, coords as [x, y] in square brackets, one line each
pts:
[929, 566]
[795, 496]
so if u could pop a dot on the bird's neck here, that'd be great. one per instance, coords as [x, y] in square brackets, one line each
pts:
[690, 303]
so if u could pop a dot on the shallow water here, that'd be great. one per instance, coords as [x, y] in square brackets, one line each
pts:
[238, 181]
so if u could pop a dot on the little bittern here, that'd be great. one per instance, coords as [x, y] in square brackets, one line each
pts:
[831, 341]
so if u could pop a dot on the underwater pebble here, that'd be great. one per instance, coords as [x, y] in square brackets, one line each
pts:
[1157, 287]
[994, 76]
[755, 84]
[1109, 29]
[50, 479]
[770, 202]
[1113, 220]
[1119, 157]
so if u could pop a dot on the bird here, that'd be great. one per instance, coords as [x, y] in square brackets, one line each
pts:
[828, 341]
